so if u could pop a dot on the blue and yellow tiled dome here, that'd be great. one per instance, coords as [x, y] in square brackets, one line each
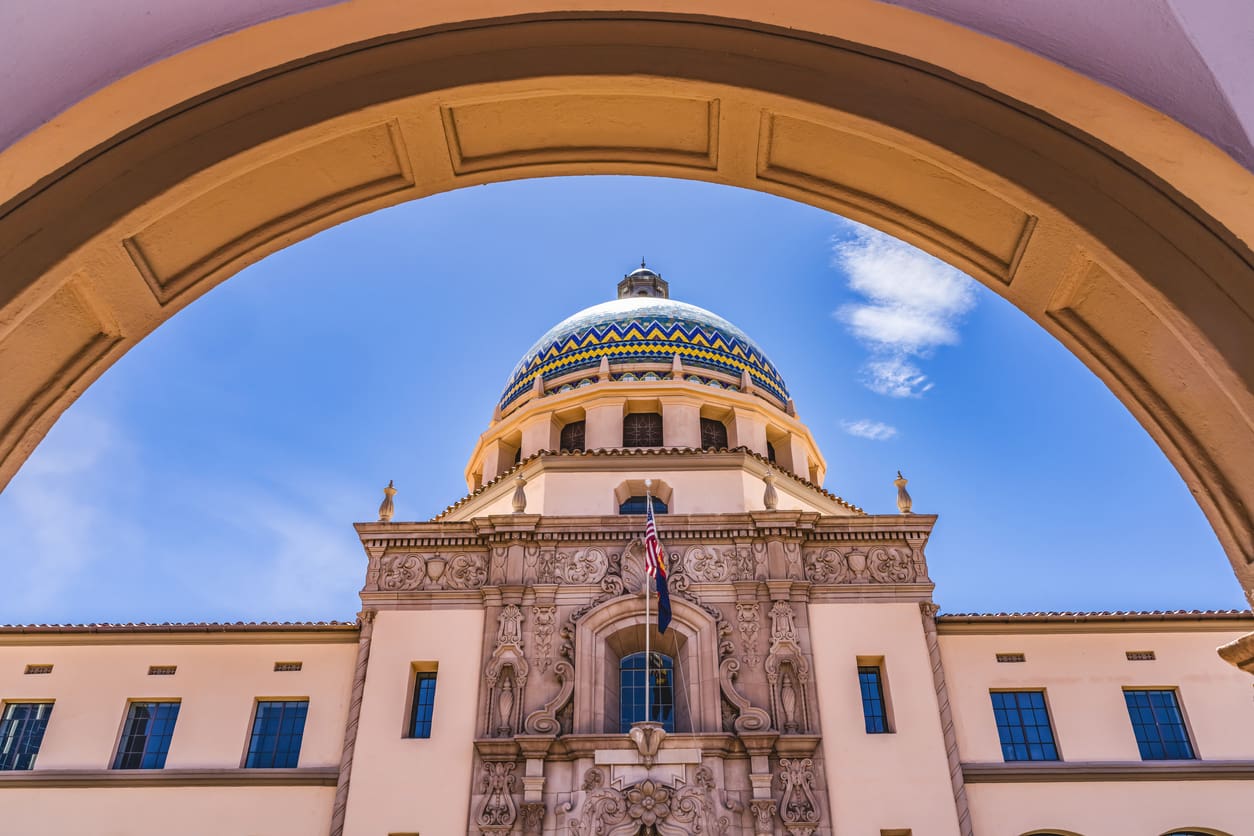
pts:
[643, 326]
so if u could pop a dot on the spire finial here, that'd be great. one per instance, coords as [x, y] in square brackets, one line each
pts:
[641, 261]
[387, 508]
[904, 502]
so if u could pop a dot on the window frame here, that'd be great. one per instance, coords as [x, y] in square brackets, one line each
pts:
[34, 757]
[1189, 739]
[581, 426]
[631, 418]
[659, 507]
[669, 722]
[420, 672]
[116, 761]
[1049, 720]
[713, 426]
[252, 731]
[866, 666]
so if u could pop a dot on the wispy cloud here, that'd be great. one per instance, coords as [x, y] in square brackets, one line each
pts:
[912, 305]
[866, 428]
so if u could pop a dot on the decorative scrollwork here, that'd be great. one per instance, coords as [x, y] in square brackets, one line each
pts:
[826, 566]
[748, 617]
[889, 565]
[705, 564]
[749, 718]
[544, 622]
[401, 571]
[797, 805]
[587, 565]
[545, 721]
[498, 811]
[467, 571]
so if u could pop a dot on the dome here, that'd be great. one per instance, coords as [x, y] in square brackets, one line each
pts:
[644, 329]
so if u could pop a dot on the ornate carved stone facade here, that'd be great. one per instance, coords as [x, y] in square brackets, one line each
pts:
[562, 599]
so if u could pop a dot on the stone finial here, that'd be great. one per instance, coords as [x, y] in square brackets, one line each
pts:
[746, 382]
[538, 388]
[387, 508]
[520, 495]
[770, 498]
[603, 371]
[677, 367]
[903, 497]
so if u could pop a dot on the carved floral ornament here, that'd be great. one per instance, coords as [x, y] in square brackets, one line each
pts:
[877, 565]
[651, 808]
[402, 571]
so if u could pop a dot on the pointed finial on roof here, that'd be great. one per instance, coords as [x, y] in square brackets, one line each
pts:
[603, 371]
[904, 502]
[387, 508]
[641, 261]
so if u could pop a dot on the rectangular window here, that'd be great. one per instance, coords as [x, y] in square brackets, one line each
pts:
[870, 679]
[1158, 725]
[424, 704]
[21, 731]
[1023, 726]
[278, 727]
[146, 735]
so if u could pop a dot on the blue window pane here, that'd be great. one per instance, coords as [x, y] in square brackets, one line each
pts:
[424, 704]
[277, 731]
[659, 682]
[21, 731]
[870, 680]
[1023, 726]
[146, 735]
[1158, 725]
[638, 505]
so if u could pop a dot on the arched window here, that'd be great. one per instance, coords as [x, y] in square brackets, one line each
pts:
[660, 684]
[637, 505]
[573, 436]
[642, 429]
[713, 434]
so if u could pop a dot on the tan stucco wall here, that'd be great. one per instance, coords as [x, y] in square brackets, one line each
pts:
[1084, 675]
[881, 781]
[162, 811]
[218, 685]
[1146, 808]
[405, 785]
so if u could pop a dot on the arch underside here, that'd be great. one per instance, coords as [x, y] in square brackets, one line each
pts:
[1149, 291]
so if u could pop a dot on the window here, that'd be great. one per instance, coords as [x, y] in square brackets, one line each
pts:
[146, 735]
[1158, 725]
[642, 429]
[632, 685]
[870, 679]
[770, 453]
[639, 504]
[21, 731]
[278, 727]
[573, 436]
[424, 704]
[1023, 726]
[713, 434]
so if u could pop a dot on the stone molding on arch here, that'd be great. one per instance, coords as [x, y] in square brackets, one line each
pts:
[1139, 263]
[619, 624]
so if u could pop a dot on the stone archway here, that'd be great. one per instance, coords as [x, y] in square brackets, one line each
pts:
[1130, 242]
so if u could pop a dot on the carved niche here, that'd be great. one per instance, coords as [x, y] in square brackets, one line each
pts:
[506, 675]
[787, 672]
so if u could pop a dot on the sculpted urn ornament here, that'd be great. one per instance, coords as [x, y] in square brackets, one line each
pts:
[387, 508]
[904, 502]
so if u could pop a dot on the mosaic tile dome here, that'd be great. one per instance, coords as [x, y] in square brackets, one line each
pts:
[643, 329]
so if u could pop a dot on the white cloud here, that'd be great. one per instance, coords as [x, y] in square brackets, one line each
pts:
[866, 428]
[912, 304]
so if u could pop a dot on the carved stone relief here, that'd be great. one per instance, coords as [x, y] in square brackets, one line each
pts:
[546, 720]
[706, 564]
[403, 571]
[587, 565]
[878, 565]
[787, 672]
[890, 565]
[748, 617]
[650, 807]
[532, 818]
[748, 718]
[544, 622]
[498, 811]
[798, 806]
[506, 675]
[763, 817]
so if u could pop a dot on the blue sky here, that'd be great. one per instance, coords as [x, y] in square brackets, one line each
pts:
[215, 471]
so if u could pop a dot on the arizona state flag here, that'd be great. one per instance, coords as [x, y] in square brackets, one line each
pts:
[655, 567]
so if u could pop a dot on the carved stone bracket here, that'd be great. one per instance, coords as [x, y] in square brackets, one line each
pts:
[763, 817]
[533, 818]
[545, 721]
[749, 718]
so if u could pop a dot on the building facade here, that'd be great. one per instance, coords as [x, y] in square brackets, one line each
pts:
[503, 678]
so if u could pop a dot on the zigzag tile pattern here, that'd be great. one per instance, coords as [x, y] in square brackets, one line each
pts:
[652, 340]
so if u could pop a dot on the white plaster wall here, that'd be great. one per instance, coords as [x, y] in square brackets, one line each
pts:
[1083, 676]
[218, 686]
[1140, 808]
[881, 781]
[409, 785]
[163, 811]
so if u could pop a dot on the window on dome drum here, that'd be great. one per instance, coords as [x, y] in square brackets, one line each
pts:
[639, 504]
[642, 429]
[1158, 725]
[1023, 726]
[661, 687]
[573, 436]
[874, 709]
[278, 727]
[424, 704]
[713, 434]
[146, 735]
[770, 452]
[22, 728]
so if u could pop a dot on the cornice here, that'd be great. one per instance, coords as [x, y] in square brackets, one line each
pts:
[169, 634]
[1181, 621]
[1023, 772]
[317, 776]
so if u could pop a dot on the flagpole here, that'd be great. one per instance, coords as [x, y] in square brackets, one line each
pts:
[648, 656]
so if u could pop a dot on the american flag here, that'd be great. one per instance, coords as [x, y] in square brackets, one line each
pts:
[655, 567]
